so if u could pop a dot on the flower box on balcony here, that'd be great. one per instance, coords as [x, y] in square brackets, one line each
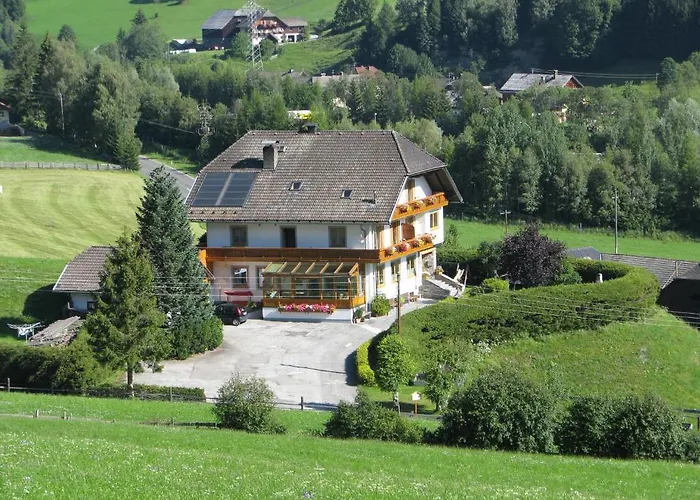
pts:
[427, 238]
[432, 200]
[416, 205]
[307, 308]
[402, 247]
[403, 208]
[389, 251]
[415, 243]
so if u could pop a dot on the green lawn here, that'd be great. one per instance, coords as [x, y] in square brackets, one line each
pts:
[75, 459]
[672, 247]
[97, 21]
[41, 148]
[58, 213]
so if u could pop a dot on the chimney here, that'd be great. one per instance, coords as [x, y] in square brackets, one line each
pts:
[270, 155]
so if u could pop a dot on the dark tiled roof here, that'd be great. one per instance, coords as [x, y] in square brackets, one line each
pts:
[84, 272]
[585, 253]
[221, 18]
[665, 270]
[692, 274]
[294, 22]
[373, 164]
[522, 81]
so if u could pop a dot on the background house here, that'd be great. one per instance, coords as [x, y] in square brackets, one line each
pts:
[221, 28]
[329, 217]
[522, 81]
[81, 279]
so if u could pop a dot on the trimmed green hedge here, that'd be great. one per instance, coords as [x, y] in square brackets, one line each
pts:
[365, 374]
[149, 392]
[626, 294]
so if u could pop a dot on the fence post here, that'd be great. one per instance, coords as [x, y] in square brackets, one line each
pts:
[36, 413]
[65, 415]
[302, 403]
[171, 394]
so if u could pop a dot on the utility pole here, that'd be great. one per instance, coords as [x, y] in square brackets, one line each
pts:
[63, 122]
[506, 213]
[398, 301]
[616, 198]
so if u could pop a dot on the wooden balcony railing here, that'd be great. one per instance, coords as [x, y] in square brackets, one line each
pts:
[404, 248]
[415, 207]
[243, 254]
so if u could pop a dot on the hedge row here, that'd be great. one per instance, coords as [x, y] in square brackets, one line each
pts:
[365, 374]
[148, 392]
[626, 294]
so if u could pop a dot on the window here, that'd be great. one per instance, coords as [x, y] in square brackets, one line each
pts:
[239, 276]
[411, 263]
[239, 236]
[91, 306]
[259, 274]
[395, 271]
[395, 232]
[337, 236]
[381, 271]
[379, 237]
[411, 188]
[434, 220]
[295, 186]
[345, 193]
[289, 237]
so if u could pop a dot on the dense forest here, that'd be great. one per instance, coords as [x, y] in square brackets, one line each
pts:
[559, 155]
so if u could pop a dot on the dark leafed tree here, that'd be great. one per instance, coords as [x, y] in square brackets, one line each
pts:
[66, 34]
[531, 259]
[23, 67]
[139, 18]
[126, 329]
[164, 232]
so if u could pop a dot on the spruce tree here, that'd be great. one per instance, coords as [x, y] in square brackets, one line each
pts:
[164, 232]
[126, 328]
[23, 68]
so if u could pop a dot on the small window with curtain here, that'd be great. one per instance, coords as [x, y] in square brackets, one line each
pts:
[381, 271]
[239, 236]
[395, 270]
[434, 220]
[337, 236]
[411, 263]
[239, 277]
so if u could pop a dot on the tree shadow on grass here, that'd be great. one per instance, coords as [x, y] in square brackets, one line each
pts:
[41, 305]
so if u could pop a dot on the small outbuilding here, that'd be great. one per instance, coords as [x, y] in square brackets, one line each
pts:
[81, 279]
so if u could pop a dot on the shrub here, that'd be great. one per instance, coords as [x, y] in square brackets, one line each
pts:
[531, 259]
[495, 285]
[380, 306]
[568, 274]
[365, 419]
[149, 392]
[246, 404]
[585, 428]
[691, 447]
[501, 410]
[394, 367]
[645, 427]
[364, 370]
[482, 262]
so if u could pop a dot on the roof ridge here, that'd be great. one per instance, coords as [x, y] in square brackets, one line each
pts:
[394, 134]
[418, 146]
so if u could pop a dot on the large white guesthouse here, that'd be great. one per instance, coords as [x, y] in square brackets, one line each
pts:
[316, 224]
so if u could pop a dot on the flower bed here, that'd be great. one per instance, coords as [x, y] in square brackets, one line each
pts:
[308, 308]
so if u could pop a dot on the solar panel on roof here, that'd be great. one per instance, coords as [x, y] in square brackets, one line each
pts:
[221, 189]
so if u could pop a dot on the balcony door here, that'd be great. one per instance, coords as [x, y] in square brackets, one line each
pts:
[289, 237]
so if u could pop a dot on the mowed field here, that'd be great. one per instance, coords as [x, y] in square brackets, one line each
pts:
[98, 21]
[76, 459]
[673, 247]
[41, 148]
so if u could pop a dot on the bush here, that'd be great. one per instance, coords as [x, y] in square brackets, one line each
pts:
[481, 262]
[364, 371]
[501, 410]
[394, 367]
[645, 427]
[495, 285]
[691, 447]
[380, 306]
[568, 274]
[585, 428]
[247, 404]
[365, 419]
[148, 392]
[531, 259]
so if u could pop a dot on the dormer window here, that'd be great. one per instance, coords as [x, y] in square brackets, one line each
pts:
[295, 186]
[345, 193]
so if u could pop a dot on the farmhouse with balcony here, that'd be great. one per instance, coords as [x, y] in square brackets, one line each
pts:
[522, 81]
[221, 28]
[315, 224]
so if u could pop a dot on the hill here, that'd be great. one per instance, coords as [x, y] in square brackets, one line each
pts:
[98, 21]
[670, 246]
[75, 459]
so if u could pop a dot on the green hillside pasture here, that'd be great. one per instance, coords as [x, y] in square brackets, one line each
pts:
[673, 247]
[25, 292]
[41, 148]
[659, 355]
[98, 21]
[73, 459]
[57, 213]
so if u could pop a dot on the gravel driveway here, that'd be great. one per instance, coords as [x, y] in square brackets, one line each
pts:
[309, 360]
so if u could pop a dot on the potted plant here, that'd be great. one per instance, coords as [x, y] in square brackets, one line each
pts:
[403, 208]
[359, 314]
[415, 243]
[389, 250]
[427, 238]
[417, 204]
[432, 200]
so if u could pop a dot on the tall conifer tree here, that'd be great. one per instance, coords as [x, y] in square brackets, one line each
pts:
[164, 232]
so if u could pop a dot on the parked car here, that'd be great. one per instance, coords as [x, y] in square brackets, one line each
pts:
[231, 314]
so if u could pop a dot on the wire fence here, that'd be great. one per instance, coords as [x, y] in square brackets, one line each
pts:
[59, 165]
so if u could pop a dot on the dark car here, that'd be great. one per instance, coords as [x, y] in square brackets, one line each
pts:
[231, 314]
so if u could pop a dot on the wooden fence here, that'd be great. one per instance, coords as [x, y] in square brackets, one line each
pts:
[61, 165]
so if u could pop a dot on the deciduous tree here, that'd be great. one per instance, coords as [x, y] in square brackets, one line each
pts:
[531, 259]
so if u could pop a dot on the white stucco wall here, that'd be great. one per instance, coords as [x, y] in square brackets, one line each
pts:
[269, 235]
[421, 190]
[408, 284]
[79, 301]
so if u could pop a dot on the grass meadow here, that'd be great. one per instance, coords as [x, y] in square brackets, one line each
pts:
[98, 21]
[671, 246]
[77, 459]
[41, 148]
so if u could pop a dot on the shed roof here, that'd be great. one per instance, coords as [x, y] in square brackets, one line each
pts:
[692, 274]
[372, 165]
[294, 22]
[585, 253]
[84, 272]
[522, 81]
[221, 18]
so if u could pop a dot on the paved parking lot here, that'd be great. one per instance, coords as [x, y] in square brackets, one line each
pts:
[298, 359]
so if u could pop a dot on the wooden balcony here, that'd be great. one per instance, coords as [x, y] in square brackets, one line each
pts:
[248, 254]
[405, 248]
[417, 207]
